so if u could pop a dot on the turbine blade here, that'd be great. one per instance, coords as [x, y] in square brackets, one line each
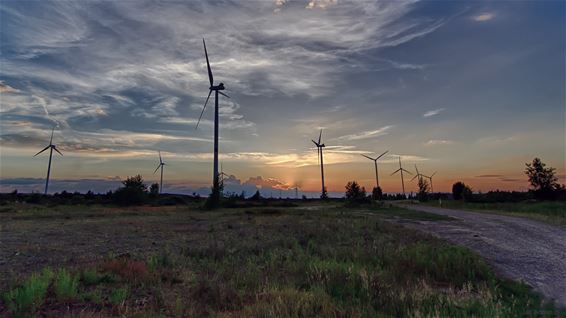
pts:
[409, 172]
[203, 108]
[55, 148]
[382, 155]
[160, 161]
[51, 140]
[159, 166]
[396, 171]
[210, 78]
[223, 94]
[314, 142]
[413, 178]
[432, 175]
[320, 137]
[41, 151]
[370, 158]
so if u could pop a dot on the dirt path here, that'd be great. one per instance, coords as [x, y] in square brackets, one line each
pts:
[518, 248]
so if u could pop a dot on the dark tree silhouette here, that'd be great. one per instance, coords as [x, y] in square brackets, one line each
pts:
[154, 189]
[377, 193]
[355, 193]
[133, 192]
[256, 196]
[423, 190]
[461, 191]
[543, 180]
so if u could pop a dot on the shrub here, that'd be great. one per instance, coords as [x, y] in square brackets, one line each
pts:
[26, 299]
[377, 193]
[66, 285]
[133, 192]
[118, 295]
[423, 190]
[461, 191]
[355, 193]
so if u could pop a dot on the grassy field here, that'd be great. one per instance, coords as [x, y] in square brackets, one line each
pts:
[308, 261]
[549, 212]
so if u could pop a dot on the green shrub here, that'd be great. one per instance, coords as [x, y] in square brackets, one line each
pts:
[118, 295]
[66, 285]
[91, 277]
[26, 299]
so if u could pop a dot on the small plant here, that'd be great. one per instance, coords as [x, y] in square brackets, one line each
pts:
[118, 295]
[90, 277]
[26, 299]
[66, 285]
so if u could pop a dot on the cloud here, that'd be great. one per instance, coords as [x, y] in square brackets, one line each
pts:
[5, 88]
[320, 4]
[489, 176]
[433, 112]
[437, 142]
[486, 16]
[367, 134]
[272, 183]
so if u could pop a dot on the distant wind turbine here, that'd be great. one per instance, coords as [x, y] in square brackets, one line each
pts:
[418, 175]
[217, 90]
[401, 170]
[161, 165]
[430, 178]
[51, 147]
[319, 145]
[375, 163]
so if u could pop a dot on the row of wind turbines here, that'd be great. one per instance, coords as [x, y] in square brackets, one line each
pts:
[216, 184]
[320, 146]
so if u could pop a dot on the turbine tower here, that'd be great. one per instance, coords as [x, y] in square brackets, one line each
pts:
[419, 175]
[430, 179]
[217, 90]
[401, 170]
[375, 163]
[319, 145]
[51, 147]
[161, 164]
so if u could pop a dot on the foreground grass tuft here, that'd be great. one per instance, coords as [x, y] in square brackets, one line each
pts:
[24, 301]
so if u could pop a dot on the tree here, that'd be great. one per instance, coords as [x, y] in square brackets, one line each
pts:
[543, 180]
[461, 191]
[133, 192]
[377, 193]
[256, 196]
[324, 194]
[423, 190]
[154, 189]
[355, 193]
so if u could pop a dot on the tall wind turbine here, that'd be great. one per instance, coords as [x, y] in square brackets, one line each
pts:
[401, 170]
[430, 179]
[319, 145]
[51, 147]
[217, 90]
[375, 163]
[161, 164]
[418, 175]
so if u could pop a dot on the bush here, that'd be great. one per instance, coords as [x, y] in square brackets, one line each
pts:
[461, 191]
[27, 299]
[377, 193]
[423, 190]
[66, 286]
[355, 193]
[133, 192]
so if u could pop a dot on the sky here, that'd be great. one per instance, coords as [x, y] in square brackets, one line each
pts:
[471, 90]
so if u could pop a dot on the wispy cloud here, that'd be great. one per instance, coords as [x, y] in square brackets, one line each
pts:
[433, 112]
[482, 17]
[367, 134]
[437, 142]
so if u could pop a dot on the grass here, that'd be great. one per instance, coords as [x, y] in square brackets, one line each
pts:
[25, 300]
[549, 212]
[267, 262]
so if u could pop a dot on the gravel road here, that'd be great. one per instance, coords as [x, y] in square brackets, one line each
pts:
[517, 248]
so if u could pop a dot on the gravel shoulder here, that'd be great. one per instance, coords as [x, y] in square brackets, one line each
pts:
[517, 248]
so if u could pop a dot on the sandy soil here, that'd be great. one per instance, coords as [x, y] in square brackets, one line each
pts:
[517, 248]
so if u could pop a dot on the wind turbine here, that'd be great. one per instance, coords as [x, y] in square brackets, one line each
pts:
[221, 176]
[419, 175]
[430, 178]
[217, 90]
[161, 164]
[401, 170]
[51, 147]
[319, 147]
[375, 163]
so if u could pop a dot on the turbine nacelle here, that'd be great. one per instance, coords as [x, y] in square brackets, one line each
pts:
[219, 87]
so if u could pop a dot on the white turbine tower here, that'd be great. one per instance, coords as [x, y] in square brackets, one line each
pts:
[51, 147]
[401, 170]
[160, 165]
[319, 145]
